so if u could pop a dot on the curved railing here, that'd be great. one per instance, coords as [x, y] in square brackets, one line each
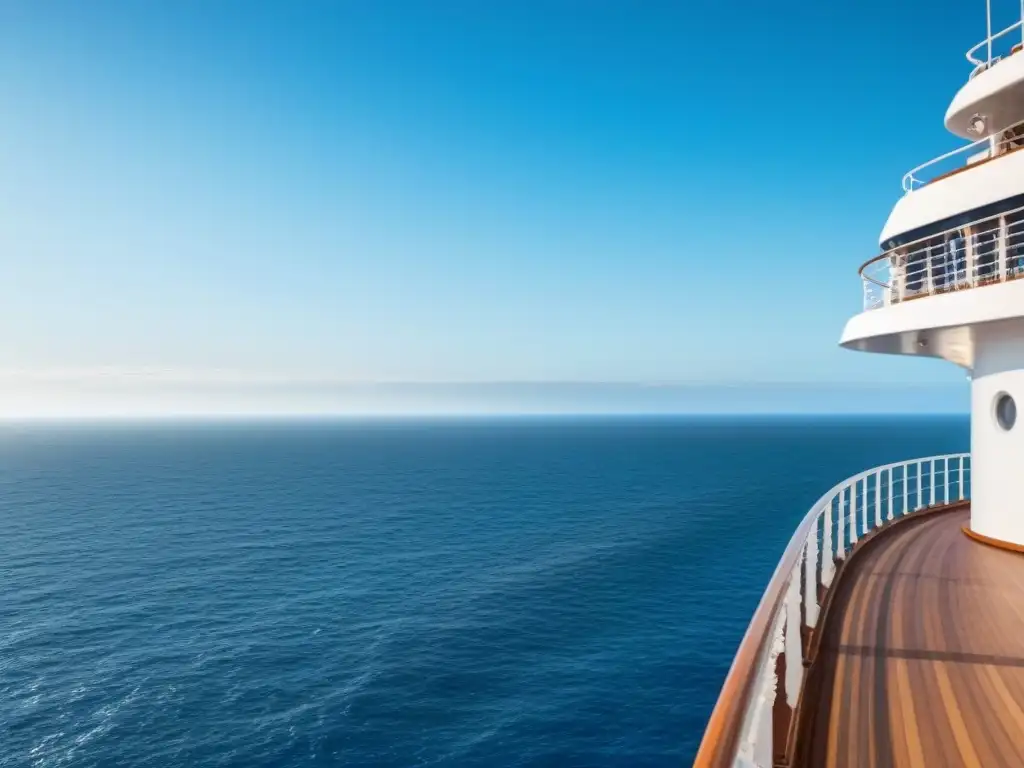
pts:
[751, 709]
[982, 252]
[991, 56]
[964, 157]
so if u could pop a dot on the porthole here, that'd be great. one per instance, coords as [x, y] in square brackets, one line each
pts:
[1006, 411]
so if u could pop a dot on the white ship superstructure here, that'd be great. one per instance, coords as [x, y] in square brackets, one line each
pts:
[892, 632]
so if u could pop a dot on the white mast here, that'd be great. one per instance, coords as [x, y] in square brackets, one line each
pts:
[988, 28]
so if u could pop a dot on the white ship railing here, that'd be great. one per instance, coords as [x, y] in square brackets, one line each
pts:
[962, 158]
[983, 252]
[986, 53]
[742, 727]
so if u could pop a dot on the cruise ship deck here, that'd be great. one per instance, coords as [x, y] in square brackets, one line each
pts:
[921, 661]
[891, 632]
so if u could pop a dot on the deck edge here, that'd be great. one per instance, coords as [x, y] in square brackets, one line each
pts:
[798, 743]
[991, 542]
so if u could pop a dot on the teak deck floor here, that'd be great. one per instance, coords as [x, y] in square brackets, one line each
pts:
[923, 653]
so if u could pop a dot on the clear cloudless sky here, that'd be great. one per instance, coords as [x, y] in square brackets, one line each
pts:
[466, 191]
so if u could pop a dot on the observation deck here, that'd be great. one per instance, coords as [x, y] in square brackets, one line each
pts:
[968, 156]
[943, 295]
[973, 182]
[995, 86]
[887, 636]
[978, 253]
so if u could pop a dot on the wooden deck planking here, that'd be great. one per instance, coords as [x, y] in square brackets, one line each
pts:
[922, 660]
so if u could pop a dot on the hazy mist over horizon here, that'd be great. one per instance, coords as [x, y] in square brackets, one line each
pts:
[154, 395]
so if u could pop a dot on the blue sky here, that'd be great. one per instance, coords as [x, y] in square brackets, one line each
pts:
[222, 196]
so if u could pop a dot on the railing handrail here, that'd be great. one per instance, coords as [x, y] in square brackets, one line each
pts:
[910, 177]
[721, 744]
[923, 241]
[979, 63]
[721, 737]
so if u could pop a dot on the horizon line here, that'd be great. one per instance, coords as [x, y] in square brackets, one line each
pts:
[458, 415]
[222, 376]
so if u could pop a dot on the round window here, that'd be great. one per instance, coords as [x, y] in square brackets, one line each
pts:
[1006, 411]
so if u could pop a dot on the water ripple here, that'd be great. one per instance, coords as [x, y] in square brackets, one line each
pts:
[537, 593]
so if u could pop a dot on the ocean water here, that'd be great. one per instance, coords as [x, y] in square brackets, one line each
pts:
[532, 592]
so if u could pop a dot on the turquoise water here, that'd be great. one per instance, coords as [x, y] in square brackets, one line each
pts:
[557, 592]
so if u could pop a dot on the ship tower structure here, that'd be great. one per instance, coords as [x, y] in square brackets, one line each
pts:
[949, 280]
[891, 631]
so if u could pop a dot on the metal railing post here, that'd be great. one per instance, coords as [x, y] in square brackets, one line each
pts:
[969, 255]
[878, 499]
[929, 279]
[906, 487]
[945, 480]
[921, 466]
[828, 562]
[867, 507]
[811, 578]
[853, 513]
[840, 522]
[889, 513]
[901, 284]
[1002, 248]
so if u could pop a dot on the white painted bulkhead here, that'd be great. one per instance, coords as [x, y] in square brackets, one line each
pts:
[998, 179]
[935, 326]
[996, 93]
[997, 453]
[993, 353]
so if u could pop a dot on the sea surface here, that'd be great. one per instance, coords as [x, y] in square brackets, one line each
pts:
[513, 592]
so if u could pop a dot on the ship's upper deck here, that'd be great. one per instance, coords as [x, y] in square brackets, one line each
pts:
[959, 226]
[991, 97]
[885, 637]
[890, 635]
[989, 110]
[969, 254]
[958, 186]
[922, 655]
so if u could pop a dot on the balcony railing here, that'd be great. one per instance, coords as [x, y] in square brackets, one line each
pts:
[980, 151]
[981, 253]
[751, 708]
[998, 46]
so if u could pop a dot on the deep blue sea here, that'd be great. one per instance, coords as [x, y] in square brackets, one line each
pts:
[514, 592]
